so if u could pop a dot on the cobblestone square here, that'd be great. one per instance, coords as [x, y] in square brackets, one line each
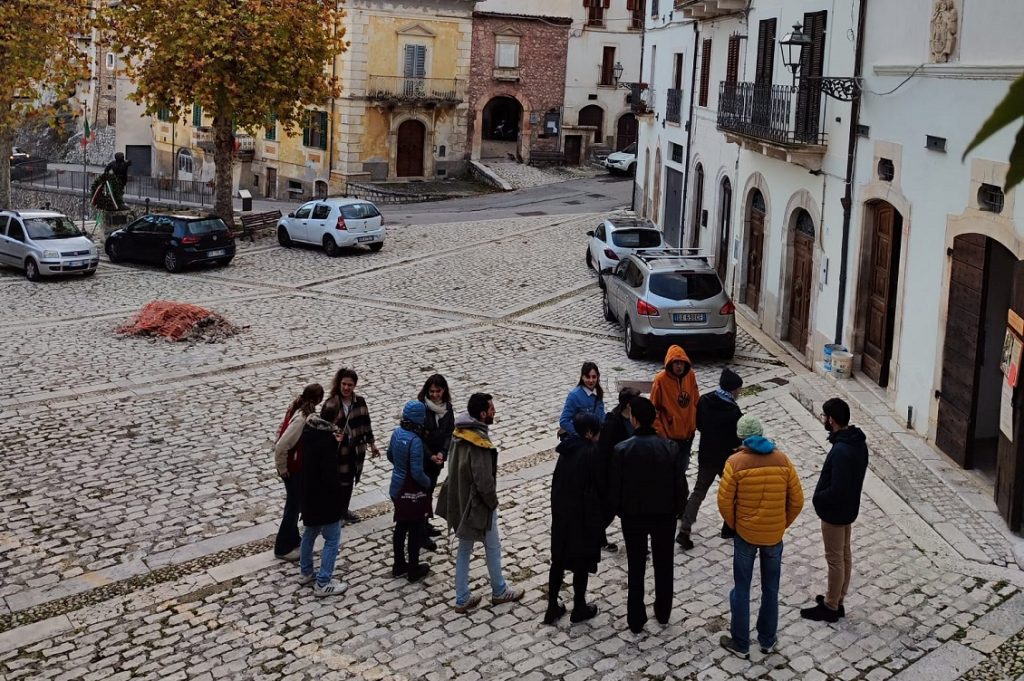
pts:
[137, 493]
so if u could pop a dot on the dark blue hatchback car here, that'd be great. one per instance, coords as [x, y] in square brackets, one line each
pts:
[173, 240]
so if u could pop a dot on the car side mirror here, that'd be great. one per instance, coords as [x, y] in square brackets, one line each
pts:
[607, 270]
[291, 215]
[590, 232]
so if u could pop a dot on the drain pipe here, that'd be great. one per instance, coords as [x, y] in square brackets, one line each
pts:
[851, 162]
[689, 136]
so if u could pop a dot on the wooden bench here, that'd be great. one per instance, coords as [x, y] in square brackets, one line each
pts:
[547, 158]
[253, 221]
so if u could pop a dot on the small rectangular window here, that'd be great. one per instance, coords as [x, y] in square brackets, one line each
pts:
[163, 114]
[677, 153]
[507, 54]
[110, 60]
[314, 132]
[270, 132]
[197, 115]
[608, 66]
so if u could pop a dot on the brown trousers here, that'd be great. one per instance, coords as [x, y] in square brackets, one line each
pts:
[840, 562]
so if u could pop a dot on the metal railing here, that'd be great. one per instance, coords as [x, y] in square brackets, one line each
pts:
[641, 99]
[767, 112]
[400, 88]
[39, 175]
[674, 105]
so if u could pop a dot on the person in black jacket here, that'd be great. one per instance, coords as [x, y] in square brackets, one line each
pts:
[837, 503]
[577, 518]
[437, 437]
[647, 490]
[321, 500]
[717, 415]
[615, 429]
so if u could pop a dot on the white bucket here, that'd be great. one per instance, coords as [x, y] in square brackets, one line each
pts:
[827, 354]
[842, 364]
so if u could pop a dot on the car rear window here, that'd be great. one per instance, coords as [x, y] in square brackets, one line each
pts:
[637, 238]
[359, 211]
[200, 227]
[685, 285]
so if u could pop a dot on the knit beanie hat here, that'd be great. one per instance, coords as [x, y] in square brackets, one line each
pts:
[748, 426]
[730, 380]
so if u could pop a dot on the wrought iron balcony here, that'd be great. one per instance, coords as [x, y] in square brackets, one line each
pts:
[403, 90]
[641, 99]
[674, 106]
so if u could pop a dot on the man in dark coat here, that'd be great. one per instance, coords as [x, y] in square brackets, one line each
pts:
[717, 415]
[615, 429]
[577, 518]
[321, 500]
[647, 489]
[837, 503]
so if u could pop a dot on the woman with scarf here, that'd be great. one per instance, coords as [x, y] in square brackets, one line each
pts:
[356, 433]
[437, 437]
[288, 461]
[586, 398]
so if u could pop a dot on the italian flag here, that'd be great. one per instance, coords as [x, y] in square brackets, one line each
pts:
[87, 135]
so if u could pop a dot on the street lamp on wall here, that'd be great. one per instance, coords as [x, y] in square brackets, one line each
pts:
[617, 71]
[792, 46]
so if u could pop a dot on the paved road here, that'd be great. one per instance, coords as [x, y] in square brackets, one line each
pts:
[137, 493]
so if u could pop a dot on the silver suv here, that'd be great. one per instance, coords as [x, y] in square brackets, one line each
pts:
[42, 243]
[670, 296]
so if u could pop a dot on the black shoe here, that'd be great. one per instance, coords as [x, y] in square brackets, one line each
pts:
[582, 613]
[637, 628]
[820, 613]
[554, 614]
[350, 518]
[610, 547]
[419, 572]
[729, 644]
[433, 531]
[684, 541]
[399, 570]
[430, 545]
[820, 600]
[663, 622]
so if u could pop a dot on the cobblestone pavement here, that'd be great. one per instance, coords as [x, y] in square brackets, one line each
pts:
[137, 495]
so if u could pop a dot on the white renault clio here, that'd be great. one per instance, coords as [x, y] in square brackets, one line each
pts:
[43, 243]
[333, 224]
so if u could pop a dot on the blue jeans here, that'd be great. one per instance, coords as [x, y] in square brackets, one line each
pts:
[492, 549]
[332, 540]
[739, 597]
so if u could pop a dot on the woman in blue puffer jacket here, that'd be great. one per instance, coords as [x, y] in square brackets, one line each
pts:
[586, 397]
[409, 491]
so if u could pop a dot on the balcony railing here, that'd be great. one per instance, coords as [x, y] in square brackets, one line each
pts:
[641, 99]
[674, 106]
[399, 89]
[769, 113]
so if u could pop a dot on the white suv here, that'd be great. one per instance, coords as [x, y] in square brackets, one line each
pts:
[44, 243]
[334, 224]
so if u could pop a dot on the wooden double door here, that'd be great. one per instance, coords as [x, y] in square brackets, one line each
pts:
[800, 290]
[881, 278]
[755, 251]
[411, 140]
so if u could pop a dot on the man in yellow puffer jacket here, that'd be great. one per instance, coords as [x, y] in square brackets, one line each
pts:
[759, 496]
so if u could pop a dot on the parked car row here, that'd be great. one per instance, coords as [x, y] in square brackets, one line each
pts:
[661, 296]
[44, 243]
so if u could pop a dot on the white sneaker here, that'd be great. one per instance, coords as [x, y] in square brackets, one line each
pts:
[332, 588]
[292, 556]
[307, 579]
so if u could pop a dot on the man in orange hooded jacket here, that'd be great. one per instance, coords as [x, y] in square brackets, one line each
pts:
[675, 394]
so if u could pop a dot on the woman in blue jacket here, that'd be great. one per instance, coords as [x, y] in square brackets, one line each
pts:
[586, 397]
[409, 491]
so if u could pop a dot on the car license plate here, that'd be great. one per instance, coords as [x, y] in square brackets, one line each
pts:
[364, 239]
[214, 254]
[683, 317]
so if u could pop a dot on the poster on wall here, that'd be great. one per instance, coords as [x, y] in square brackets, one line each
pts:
[1004, 362]
[1006, 411]
[1013, 371]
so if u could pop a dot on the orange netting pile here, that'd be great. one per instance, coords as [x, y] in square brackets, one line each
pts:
[178, 322]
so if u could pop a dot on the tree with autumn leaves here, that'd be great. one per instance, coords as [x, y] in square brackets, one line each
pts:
[243, 61]
[40, 66]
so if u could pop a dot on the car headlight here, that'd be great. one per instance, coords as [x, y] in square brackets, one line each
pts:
[52, 255]
[93, 251]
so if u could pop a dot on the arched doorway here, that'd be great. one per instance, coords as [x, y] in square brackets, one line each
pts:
[985, 278]
[593, 115]
[801, 274]
[409, 159]
[627, 132]
[878, 285]
[501, 122]
[186, 165]
[755, 249]
[698, 206]
[724, 227]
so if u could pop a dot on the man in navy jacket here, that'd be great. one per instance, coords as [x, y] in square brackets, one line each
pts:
[837, 503]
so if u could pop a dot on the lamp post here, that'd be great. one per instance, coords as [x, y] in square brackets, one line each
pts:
[792, 46]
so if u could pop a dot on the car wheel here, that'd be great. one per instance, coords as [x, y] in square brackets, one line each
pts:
[728, 353]
[632, 351]
[113, 251]
[32, 270]
[377, 246]
[590, 259]
[606, 308]
[331, 246]
[171, 263]
[223, 263]
[283, 238]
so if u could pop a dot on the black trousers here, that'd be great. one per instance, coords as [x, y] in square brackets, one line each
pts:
[413, 530]
[660, 530]
[348, 484]
[579, 586]
[288, 537]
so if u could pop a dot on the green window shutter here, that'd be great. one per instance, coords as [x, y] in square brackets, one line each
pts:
[163, 114]
[197, 115]
[271, 129]
[323, 130]
[305, 129]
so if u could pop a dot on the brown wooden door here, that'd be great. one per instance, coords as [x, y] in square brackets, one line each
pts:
[725, 217]
[881, 294]
[800, 290]
[1009, 488]
[959, 391]
[409, 162]
[593, 115]
[573, 149]
[271, 192]
[627, 131]
[755, 247]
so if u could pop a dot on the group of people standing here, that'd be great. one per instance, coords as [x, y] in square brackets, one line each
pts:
[630, 463]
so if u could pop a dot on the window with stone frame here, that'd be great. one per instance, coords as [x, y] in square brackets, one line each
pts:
[596, 11]
[506, 52]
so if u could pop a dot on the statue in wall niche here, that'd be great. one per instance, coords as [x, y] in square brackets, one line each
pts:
[945, 28]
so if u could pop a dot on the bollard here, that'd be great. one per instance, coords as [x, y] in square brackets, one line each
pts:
[147, 205]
